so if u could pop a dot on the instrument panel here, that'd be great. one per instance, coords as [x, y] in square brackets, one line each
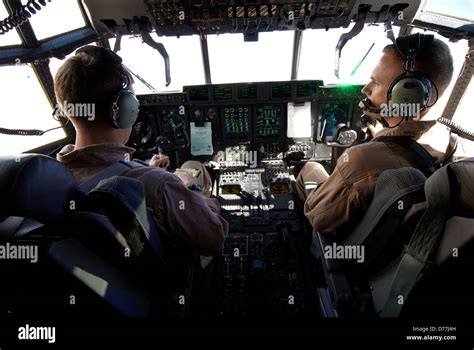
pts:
[236, 123]
[171, 120]
[260, 115]
[269, 122]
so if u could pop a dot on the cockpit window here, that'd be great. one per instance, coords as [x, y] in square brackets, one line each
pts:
[25, 106]
[10, 38]
[146, 62]
[233, 60]
[318, 54]
[56, 18]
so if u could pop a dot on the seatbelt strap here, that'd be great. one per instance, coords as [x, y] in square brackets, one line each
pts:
[451, 148]
[425, 160]
[123, 193]
[421, 252]
[113, 170]
[360, 235]
[143, 216]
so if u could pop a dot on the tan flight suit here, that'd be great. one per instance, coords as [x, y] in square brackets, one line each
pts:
[341, 200]
[181, 214]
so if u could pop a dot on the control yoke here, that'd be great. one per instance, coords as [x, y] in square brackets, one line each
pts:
[343, 136]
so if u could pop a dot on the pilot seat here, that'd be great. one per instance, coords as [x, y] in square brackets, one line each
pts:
[98, 252]
[418, 239]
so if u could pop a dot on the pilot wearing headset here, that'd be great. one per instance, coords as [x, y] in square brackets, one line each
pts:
[96, 77]
[406, 82]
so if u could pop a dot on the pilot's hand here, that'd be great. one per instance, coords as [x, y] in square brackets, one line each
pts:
[187, 179]
[160, 161]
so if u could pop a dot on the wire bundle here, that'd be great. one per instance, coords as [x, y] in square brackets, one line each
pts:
[21, 132]
[21, 15]
[457, 129]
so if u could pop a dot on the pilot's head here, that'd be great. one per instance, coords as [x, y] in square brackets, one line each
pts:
[435, 62]
[94, 90]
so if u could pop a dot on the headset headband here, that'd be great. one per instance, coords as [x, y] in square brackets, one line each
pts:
[412, 45]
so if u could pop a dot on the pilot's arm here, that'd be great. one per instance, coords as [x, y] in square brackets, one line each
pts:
[193, 217]
[345, 196]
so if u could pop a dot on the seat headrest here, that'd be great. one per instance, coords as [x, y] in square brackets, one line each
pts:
[464, 171]
[35, 186]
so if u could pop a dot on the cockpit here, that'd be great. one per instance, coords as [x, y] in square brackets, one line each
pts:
[253, 90]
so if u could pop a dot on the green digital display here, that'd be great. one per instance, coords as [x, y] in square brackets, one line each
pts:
[268, 121]
[306, 89]
[281, 90]
[247, 92]
[222, 93]
[199, 93]
[236, 122]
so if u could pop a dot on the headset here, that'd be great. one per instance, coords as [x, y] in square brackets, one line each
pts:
[410, 87]
[124, 105]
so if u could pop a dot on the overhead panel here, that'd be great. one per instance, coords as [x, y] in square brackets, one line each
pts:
[179, 17]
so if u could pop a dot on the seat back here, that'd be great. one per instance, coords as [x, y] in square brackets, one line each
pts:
[80, 249]
[81, 270]
[442, 288]
[382, 233]
[444, 293]
[391, 217]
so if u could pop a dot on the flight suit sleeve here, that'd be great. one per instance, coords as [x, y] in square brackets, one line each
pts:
[339, 201]
[189, 213]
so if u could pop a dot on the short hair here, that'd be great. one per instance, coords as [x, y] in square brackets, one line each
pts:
[86, 78]
[435, 62]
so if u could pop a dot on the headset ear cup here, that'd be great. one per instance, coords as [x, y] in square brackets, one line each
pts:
[410, 90]
[427, 83]
[124, 110]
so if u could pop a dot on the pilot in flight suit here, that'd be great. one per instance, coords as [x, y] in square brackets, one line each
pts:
[341, 199]
[185, 217]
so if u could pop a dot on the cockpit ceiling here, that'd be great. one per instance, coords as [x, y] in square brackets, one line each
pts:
[180, 17]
